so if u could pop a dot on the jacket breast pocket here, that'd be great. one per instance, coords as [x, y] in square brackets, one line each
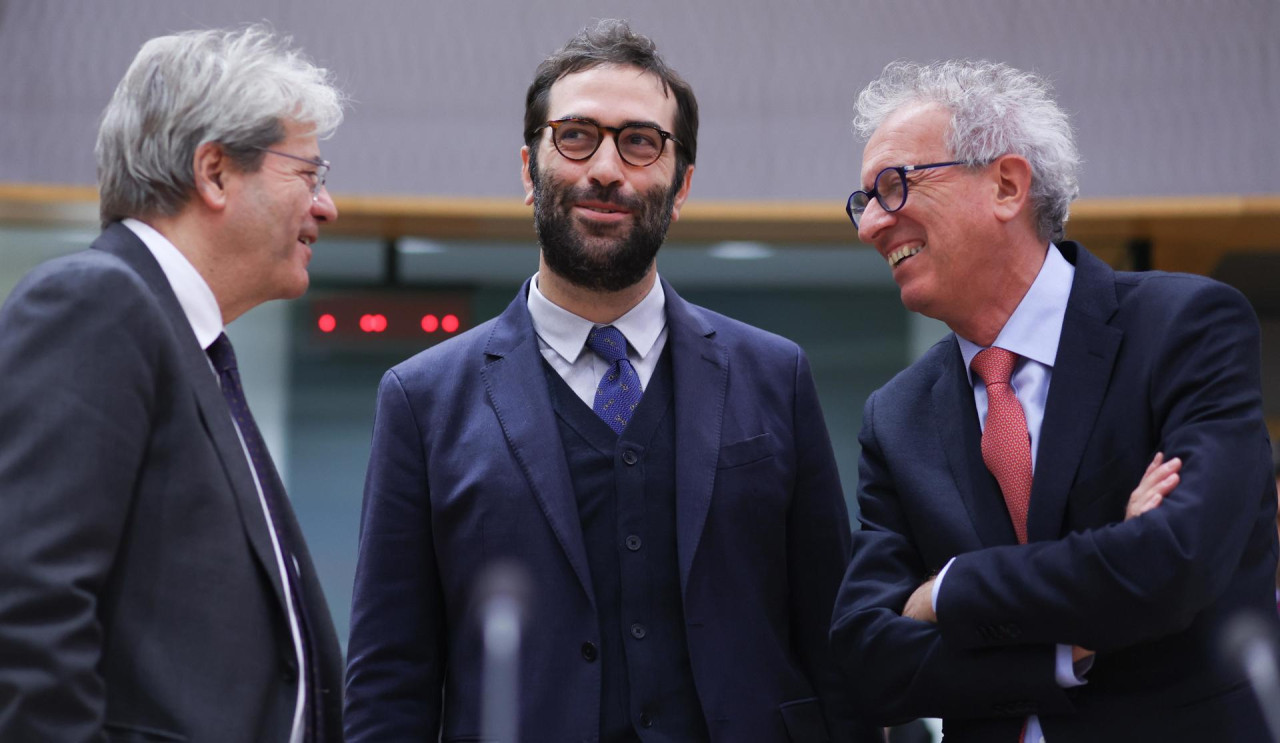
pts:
[746, 451]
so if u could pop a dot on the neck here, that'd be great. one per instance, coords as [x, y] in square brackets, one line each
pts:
[597, 306]
[191, 238]
[994, 307]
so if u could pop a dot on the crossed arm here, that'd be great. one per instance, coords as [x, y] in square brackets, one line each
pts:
[1159, 480]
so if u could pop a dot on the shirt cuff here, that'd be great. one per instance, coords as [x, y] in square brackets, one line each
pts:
[1066, 672]
[937, 584]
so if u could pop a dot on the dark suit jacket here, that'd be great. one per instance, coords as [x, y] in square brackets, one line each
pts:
[1146, 362]
[139, 593]
[468, 468]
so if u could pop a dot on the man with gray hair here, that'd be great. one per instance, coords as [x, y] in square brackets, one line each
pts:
[155, 583]
[1002, 578]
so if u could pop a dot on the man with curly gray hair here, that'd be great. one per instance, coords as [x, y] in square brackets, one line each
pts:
[156, 584]
[1008, 577]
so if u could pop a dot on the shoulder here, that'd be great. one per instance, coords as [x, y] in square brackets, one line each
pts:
[448, 362]
[743, 340]
[89, 289]
[1172, 287]
[1158, 298]
[919, 377]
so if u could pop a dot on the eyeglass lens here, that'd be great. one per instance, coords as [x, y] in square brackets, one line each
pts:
[890, 190]
[578, 140]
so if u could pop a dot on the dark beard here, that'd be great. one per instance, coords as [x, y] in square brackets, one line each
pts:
[598, 260]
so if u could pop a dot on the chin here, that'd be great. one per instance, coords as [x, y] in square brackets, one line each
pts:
[295, 287]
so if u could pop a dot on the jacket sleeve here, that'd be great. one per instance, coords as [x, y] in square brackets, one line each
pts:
[76, 402]
[396, 653]
[818, 550]
[1149, 577]
[900, 669]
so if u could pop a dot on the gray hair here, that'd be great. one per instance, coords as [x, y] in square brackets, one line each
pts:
[234, 87]
[995, 110]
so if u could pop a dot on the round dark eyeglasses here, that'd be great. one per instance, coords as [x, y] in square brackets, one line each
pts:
[638, 144]
[889, 190]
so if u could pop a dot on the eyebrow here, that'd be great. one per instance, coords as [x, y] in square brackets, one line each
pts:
[623, 125]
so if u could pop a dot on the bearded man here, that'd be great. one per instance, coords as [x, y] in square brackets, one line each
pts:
[661, 472]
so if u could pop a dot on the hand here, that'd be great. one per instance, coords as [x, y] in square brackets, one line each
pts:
[920, 605]
[1158, 481]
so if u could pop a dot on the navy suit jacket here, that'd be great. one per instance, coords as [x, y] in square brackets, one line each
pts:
[139, 593]
[1146, 362]
[467, 468]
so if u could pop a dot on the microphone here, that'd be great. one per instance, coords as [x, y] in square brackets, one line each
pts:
[1249, 640]
[502, 596]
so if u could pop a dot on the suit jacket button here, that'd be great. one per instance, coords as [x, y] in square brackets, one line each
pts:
[630, 457]
[589, 652]
[646, 720]
[638, 631]
[633, 543]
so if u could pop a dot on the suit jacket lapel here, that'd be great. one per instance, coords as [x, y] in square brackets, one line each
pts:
[700, 366]
[1086, 354]
[960, 438]
[517, 388]
[121, 242]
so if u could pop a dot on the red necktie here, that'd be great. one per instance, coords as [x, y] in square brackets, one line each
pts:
[1006, 445]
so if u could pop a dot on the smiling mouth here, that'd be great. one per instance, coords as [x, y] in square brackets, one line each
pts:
[903, 253]
[598, 208]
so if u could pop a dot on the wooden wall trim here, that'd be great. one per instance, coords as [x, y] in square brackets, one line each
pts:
[1185, 233]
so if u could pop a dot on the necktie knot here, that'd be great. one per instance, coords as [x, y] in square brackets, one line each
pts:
[221, 354]
[994, 365]
[618, 393]
[608, 343]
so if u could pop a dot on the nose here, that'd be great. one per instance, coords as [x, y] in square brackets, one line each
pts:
[322, 206]
[605, 167]
[873, 221]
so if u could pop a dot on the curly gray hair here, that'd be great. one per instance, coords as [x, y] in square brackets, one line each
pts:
[234, 87]
[995, 110]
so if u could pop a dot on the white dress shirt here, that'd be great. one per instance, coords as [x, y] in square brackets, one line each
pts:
[201, 309]
[562, 339]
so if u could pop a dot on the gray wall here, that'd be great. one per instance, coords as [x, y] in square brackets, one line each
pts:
[1168, 96]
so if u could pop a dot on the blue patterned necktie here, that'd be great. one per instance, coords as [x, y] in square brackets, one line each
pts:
[224, 361]
[619, 391]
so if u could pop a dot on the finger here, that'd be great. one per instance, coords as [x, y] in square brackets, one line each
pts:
[1166, 486]
[1155, 462]
[1138, 508]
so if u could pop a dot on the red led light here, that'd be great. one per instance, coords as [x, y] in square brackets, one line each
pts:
[327, 323]
[430, 323]
[373, 323]
[449, 323]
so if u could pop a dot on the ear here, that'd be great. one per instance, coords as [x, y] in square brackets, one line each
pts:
[1012, 182]
[525, 177]
[211, 168]
[682, 194]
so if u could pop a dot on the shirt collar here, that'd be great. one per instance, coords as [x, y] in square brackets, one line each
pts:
[1034, 328]
[566, 332]
[193, 292]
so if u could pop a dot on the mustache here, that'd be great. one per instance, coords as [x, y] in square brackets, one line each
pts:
[606, 195]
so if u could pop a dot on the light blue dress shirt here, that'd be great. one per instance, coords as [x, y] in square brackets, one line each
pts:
[1032, 332]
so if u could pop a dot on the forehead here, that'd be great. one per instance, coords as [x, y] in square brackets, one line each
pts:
[301, 135]
[611, 95]
[913, 135]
